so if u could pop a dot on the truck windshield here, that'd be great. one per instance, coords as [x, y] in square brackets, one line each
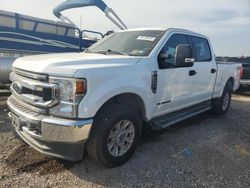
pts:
[132, 43]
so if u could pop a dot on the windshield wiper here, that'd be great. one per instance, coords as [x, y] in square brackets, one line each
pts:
[109, 51]
[86, 50]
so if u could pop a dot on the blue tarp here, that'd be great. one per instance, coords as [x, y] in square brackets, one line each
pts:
[78, 3]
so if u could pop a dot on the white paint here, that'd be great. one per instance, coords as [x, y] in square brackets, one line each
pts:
[110, 75]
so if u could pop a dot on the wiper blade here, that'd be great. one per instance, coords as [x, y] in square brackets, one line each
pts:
[115, 51]
[109, 51]
[86, 50]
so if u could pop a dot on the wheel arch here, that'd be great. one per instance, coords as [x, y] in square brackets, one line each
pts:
[231, 82]
[129, 99]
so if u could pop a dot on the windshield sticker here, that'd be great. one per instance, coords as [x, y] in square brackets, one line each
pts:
[146, 38]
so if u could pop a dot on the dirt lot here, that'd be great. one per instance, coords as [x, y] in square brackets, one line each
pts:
[204, 151]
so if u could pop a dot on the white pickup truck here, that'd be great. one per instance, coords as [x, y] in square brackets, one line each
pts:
[103, 97]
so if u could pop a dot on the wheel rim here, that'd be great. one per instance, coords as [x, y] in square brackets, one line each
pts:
[225, 101]
[121, 138]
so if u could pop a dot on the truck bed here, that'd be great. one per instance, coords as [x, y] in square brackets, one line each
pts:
[226, 62]
[226, 70]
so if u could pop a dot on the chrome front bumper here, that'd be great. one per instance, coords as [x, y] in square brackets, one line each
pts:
[53, 136]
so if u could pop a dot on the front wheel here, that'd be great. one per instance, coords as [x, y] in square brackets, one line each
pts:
[115, 135]
[222, 104]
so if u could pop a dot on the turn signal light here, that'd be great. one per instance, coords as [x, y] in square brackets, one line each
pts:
[80, 87]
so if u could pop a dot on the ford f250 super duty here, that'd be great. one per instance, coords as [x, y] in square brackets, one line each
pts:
[99, 100]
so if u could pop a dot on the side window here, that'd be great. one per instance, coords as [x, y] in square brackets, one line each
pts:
[202, 49]
[170, 48]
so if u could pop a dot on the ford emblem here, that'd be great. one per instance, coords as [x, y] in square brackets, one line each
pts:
[17, 87]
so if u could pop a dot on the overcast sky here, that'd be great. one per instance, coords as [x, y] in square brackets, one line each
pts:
[226, 22]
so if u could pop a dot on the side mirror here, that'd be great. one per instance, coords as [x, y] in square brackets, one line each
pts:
[184, 56]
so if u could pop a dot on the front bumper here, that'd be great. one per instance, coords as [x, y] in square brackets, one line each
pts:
[62, 138]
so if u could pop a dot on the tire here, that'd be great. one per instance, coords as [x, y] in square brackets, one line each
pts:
[109, 131]
[222, 104]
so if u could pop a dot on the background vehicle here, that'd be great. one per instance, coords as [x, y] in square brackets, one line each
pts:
[102, 98]
[245, 80]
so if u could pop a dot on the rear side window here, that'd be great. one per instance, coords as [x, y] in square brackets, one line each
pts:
[202, 49]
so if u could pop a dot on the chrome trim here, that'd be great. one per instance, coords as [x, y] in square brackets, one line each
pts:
[22, 105]
[37, 86]
[67, 123]
[40, 77]
[189, 60]
[31, 133]
[29, 83]
[24, 113]
[53, 129]
[244, 82]
[63, 130]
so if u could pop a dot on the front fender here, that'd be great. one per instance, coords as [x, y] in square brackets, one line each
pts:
[100, 94]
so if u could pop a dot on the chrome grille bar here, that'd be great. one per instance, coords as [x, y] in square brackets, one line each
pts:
[24, 110]
[35, 76]
[26, 107]
[35, 86]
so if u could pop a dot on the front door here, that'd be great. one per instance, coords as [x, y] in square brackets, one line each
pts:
[175, 88]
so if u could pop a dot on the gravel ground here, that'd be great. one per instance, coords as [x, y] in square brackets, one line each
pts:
[204, 151]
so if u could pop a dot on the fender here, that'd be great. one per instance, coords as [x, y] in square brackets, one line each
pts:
[225, 72]
[92, 103]
[136, 81]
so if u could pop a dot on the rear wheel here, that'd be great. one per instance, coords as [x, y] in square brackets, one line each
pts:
[222, 104]
[115, 135]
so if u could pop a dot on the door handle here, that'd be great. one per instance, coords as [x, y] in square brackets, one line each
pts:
[213, 71]
[192, 72]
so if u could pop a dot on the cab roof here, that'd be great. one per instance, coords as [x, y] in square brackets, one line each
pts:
[171, 30]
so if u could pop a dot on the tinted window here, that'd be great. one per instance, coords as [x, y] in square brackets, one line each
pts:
[202, 49]
[170, 48]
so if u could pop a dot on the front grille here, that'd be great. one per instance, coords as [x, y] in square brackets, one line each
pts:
[25, 108]
[29, 116]
[45, 94]
[29, 88]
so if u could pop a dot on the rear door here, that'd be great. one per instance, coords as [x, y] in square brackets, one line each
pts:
[205, 68]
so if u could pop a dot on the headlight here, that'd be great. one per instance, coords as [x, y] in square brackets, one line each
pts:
[71, 92]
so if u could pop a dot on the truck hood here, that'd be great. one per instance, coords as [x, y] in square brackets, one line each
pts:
[67, 64]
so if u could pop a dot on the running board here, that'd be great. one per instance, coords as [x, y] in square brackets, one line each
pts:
[174, 117]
